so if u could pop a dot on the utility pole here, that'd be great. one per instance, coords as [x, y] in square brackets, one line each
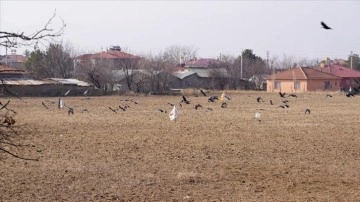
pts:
[267, 59]
[351, 59]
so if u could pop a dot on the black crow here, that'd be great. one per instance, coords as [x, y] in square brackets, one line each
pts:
[224, 105]
[185, 100]
[114, 110]
[324, 25]
[162, 111]
[281, 94]
[197, 106]
[202, 92]
[259, 99]
[133, 101]
[44, 105]
[70, 109]
[213, 98]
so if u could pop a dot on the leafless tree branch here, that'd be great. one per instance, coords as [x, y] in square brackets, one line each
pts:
[10, 39]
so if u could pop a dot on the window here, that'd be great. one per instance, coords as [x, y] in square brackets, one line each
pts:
[296, 85]
[327, 85]
[277, 85]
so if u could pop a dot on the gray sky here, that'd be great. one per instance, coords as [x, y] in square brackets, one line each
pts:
[214, 27]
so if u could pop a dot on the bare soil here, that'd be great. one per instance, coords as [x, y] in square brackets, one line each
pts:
[219, 155]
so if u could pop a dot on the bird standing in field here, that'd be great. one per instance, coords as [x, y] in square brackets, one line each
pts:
[324, 25]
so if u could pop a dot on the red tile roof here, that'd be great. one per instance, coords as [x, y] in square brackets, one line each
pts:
[340, 71]
[302, 73]
[8, 70]
[110, 54]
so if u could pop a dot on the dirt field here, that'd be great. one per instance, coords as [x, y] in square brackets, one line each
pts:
[219, 155]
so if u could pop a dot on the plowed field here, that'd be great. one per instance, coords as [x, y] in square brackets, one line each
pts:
[220, 155]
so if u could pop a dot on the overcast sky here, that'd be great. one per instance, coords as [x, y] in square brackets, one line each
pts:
[214, 27]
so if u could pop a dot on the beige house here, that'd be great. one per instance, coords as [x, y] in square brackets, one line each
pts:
[302, 79]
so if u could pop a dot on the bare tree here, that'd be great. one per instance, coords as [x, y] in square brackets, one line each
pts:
[156, 66]
[97, 72]
[16, 39]
[10, 135]
[288, 62]
[178, 55]
[128, 66]
[306, 62]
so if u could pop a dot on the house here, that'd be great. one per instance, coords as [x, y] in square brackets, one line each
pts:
[201, 63]
[302, 79]
[9, 72]
[185, 77]
[14, 61]
[46, 87]
[112, 58]
[349, 77]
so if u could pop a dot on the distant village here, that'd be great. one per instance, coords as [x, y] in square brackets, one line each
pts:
[115, 71]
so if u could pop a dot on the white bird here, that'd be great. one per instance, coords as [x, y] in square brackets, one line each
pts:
[67, 92]
[257, 116]
[174, 114]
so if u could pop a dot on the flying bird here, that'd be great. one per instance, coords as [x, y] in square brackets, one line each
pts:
[67, 92]
[281, 94]
[44, 105]
[324, 25]
[123, 108]
[213, 98]
[258, 99]
[134, 101]
[85, 93]
[307, 111]
[114, 110]
[185, 100]
[70, 109]
[162, 111]
[224, 105]
[202, 92]
[197, 106]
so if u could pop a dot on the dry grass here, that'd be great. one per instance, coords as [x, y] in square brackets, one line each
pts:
[219, 155]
